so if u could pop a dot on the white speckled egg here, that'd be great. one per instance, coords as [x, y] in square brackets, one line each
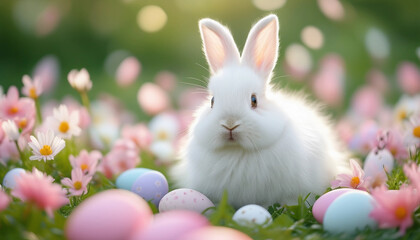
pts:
[9, 180]
[151, 186]
[376, 163]
[251, 215]
[349, 212]
[185, 199]
[126, 179]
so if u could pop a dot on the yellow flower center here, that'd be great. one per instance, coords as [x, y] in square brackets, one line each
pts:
[77, 185]
[32, 93]
[46, 150]
[402, 114]
[13, 110]
[64, 127]
[23, 123]
[400, 213]
[416, 131]
[354, 182]
[84, 166]
[162, 135]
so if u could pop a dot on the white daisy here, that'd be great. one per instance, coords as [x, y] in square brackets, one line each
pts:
[11, 130]
[412, 133]
[32, 89]
[45, 146]
[63, 123]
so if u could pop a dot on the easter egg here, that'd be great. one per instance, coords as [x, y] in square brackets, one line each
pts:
[376, 163]
[126, 179]
[186, 199]
[151, 186]
[349, 212]
[9, 180]
[322, 203]
[251, 215]
[172, 225]
[112, 214]
[219, 233]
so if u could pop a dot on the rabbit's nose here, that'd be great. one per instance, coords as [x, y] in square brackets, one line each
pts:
[230, 128]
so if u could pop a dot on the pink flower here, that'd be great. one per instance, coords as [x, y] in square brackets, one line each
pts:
[367, 101]
[396, 145]
[32, 89]
[409, 78]
[128, 71]
[11, 106]
[78, 182]
[166, 80]
[394, 208]
[87, 162]
[124, 155]
[8, 151]
[152, 99]
[139, 134]
[412, 171]
[39, 189]
[4, 200]
[47, 70]
[356, 180]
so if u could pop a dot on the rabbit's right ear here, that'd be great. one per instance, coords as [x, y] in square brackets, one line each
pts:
[218, 45]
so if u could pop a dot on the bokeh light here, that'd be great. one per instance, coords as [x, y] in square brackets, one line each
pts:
[298, 59]
[268, 5]
[312, 37]
[332, 9]
[377, 43]
[151, 18]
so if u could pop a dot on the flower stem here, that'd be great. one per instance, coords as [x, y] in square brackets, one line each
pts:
[38, 111]
[85, 100]
[20, 151]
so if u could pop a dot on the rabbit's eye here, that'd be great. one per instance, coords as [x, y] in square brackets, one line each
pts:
[212, 102]
[253, 101]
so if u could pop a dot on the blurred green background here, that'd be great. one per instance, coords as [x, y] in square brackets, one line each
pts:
[82, 33]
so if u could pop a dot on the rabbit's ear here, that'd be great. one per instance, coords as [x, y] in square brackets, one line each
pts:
[261, 47]
[218, 44]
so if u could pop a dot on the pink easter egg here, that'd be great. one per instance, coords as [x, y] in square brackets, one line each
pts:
[321, 204]
[172, 225]
[112, 214]
[185, 199]
[219, 233]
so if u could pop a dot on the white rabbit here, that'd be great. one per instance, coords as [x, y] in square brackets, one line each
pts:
[263, 146]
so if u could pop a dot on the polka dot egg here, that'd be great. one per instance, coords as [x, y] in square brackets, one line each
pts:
[151, 186]
[185, 199]
[251, 215]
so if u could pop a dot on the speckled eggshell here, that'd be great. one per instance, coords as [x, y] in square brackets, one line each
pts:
[126, 179]
[151, 186]
[322, 203]
[112, 214]
[9, 180]
[172, 225]
[213, 233]
[349, 212]
[186, 199]
[377, 162]
[251, 215]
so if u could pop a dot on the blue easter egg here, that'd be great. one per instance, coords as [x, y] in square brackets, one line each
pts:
[9, 180]
[151, 186]
[349, 212]
[127, 178]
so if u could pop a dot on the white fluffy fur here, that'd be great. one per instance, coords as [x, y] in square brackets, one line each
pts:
[283, 148]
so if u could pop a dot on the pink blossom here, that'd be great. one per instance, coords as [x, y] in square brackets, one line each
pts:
[396, 145]
[78, 182]
[356, 180]
[152, 99]
[31, 88]
[408, 76]
[8, 151]
[412, 171]
[4, 200]
[378, 80]
[123, 156]
[87, 162]
[47, 70]
[128, 71]
[367, 101]
[48, 20]
[166, 80]
[394, 208]
[362, 141]
[192, 98]
[38, 188]
[139, 134]
[13, 107]
[2, 134]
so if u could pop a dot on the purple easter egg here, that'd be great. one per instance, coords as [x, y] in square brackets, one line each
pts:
[151, 186]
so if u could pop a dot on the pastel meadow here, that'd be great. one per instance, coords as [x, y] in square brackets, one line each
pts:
[115, 125]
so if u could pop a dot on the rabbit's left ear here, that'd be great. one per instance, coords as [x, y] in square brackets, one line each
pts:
[261, 47]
